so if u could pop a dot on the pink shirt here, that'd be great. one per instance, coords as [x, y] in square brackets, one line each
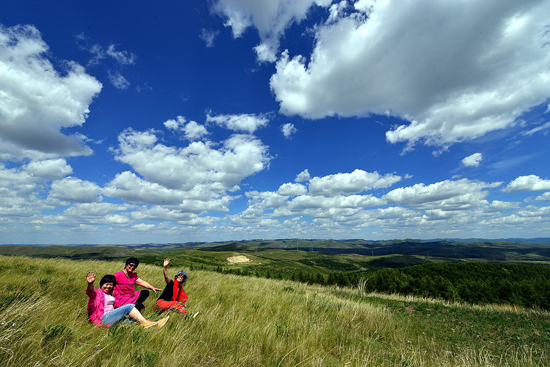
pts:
[109, 303]
[125, 288]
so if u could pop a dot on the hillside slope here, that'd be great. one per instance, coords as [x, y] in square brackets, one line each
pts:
[248, 321]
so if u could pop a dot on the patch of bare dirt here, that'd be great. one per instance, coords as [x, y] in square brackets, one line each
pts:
[240, 259]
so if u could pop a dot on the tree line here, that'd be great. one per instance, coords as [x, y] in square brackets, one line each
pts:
[471, 282]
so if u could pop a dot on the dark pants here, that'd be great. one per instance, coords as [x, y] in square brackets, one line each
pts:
[142, 297]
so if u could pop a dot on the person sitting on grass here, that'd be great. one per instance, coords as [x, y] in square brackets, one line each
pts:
[173, 297]
[125, 288]
[101, 310]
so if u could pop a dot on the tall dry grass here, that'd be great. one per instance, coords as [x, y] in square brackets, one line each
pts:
[242, 322]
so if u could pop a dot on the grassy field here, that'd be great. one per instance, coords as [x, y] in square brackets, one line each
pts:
[248, 321]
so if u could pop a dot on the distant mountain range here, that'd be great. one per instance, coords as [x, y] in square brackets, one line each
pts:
[292, 242]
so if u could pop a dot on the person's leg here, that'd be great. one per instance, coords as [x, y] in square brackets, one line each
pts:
[136, 315]
[118, 314]
[142, 297]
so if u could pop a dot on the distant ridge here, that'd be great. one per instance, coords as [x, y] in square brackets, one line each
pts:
[292, 242]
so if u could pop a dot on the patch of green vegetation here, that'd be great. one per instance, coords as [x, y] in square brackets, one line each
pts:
[398, 261]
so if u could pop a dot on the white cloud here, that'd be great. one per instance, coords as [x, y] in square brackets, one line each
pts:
[198, 163]
[245, 123]
[303, 176]
[176, 124]
[75, 189]
[122, 57]
[270, 18]
[544, 128]
[447, 195]
[528, 183]
[118, 81]
[290, 189]
[192, 130]
[143, 227]
[90, 213]
[288, 130]
[454, 70]
[19, 191]
[208, 37]
[350, 183]
[473, 160]
[53, 169]
[37, 102]
[544, 197]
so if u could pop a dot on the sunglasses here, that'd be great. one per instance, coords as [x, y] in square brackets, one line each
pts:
[132, 266]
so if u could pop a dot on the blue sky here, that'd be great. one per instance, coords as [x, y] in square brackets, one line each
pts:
[176, 121]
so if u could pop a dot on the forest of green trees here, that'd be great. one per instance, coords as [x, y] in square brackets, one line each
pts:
[472, 282]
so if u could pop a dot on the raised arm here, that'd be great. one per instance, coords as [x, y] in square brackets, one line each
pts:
[165, 270]
[144, 284]
[90, 278]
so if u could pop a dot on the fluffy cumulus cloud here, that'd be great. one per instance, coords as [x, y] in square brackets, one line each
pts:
[453, 70]
[74, 189]
[528, 183]
[350, 183]
[347, 201]
[192, 130]
[37, 101]
[472, 160]
[248, 123]
[53, 169]
[22, 190]
[270, 18]
[448, 195]
[196, 178]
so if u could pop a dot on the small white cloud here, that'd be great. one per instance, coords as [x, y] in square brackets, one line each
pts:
[142, 227]
[246, 122]
[208, 37]
[350, 183]
[544, 128]
[288, 130]
[544, 197]
[473, 160]
[192, 130]
[122, 57]
[303, 176]
[75, 189]
[176, 124]
[528, 183]
[53, 169]
[290, 189]
[118, 80]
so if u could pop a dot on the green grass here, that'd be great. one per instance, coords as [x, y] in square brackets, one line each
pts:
[247, 321]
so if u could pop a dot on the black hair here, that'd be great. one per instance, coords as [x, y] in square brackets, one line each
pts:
[107, 279]
[132, 260]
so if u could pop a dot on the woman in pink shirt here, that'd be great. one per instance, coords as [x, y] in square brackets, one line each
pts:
[125, 287]
[101, 305]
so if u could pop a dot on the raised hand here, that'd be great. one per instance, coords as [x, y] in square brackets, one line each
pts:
[90, 277]
[166, 262]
